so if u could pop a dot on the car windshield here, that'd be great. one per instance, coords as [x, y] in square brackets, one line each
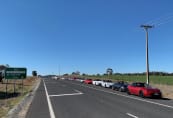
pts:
[121, 82]
[140, 84]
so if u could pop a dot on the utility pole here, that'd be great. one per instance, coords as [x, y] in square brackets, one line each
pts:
[146, 27]
[59, 70]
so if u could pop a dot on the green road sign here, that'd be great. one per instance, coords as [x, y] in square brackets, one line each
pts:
[15, 73]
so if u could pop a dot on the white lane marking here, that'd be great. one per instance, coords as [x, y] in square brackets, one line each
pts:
[50, 82]
[78, 93]
[163, 105]
[52, 114]
[131, 115]
[65, 94]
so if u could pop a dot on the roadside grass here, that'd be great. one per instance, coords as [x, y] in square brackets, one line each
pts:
[165, 80]
[9, 100]
[154, 79]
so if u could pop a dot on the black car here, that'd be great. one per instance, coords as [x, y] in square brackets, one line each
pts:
[120, 86]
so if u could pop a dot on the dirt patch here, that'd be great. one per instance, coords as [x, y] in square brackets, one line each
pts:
[167, 90]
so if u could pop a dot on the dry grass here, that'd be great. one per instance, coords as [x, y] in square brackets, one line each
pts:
[10, 100]
[167, 90]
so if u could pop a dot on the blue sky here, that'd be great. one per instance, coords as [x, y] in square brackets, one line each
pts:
[86, 35]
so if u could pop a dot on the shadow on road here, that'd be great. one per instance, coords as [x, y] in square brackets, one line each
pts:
[165, 99]
[155, 98]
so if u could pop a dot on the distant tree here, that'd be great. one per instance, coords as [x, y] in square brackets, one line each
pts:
[66, 74]
[117, 74]
[1, 76]
[2, 68]
[98, 74]
[34, 73]
[76, 73]
[83, 74]
[7, 65]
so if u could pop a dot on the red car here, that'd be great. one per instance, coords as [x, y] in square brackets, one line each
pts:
[143, 90]
[88, 81]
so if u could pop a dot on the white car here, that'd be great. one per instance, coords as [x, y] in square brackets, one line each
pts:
[55, 77]
[81, 80]
[107, 83]
[97, 82]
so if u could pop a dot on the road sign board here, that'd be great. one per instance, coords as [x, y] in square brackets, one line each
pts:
[15, 73]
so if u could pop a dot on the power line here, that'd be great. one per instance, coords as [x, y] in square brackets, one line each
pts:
[161, 20]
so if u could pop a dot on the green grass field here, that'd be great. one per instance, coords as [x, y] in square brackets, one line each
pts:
[165, 80]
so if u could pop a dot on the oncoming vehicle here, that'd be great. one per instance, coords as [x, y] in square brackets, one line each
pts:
[143, 90]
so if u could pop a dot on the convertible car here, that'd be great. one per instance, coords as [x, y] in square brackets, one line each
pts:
[143, 90]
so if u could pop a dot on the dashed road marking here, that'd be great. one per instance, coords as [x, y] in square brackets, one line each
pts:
[71, 94]
[77, 91]
[131, 115]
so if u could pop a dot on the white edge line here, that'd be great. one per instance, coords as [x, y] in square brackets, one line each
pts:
[131, 115]
[52, 114]
[163, 105]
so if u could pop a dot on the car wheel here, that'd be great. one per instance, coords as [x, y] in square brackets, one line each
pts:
[120, 89]
[160, 96]
[113, 88]
[141, 94]
[128, 92]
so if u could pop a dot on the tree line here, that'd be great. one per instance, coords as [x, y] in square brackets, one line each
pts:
[144, 73]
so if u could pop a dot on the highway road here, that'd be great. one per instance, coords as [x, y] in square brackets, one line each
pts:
[71, 99]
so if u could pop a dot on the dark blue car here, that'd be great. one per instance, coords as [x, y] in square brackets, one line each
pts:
[120, 86]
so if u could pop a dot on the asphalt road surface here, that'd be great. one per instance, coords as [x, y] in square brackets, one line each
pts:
[71, 99]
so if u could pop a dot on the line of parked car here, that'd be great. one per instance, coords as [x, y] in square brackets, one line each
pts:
[137, 88]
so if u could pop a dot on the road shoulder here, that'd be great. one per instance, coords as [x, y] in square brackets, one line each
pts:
[20, 110]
